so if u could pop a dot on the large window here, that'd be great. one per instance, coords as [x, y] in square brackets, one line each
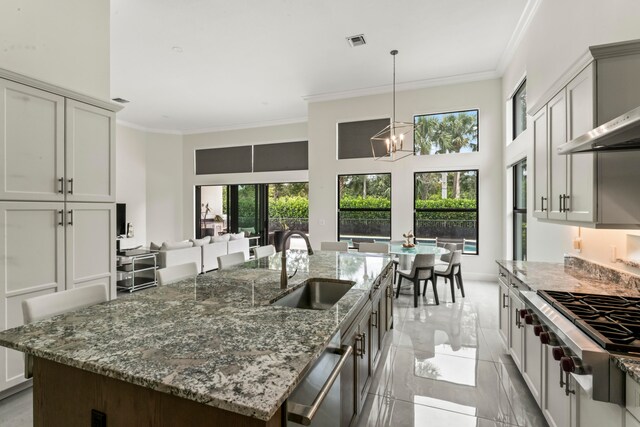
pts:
[446, 208]
[520, 211]
[519, 104]
[446, 133]
[364, 207]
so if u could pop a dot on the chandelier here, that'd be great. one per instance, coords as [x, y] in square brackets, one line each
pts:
[389, 144]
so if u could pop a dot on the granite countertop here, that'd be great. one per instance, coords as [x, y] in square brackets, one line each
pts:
[561, 277]
[214, 339]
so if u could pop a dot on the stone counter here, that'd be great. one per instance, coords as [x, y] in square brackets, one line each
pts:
[214, 339]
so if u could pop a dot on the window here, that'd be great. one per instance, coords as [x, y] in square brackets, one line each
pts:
[519, 104]
[364, 208]
[445, 133]
[446, 208]
[520, 211]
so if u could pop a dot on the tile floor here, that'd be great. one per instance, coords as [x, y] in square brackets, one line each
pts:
[442, 366]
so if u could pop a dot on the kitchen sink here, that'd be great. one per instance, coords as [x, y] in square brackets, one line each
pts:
[316, 294]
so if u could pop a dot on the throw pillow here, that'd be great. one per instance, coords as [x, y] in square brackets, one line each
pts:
[201, 242]
[236, 236]
[169, 246]
[154, 247]
[223, 238]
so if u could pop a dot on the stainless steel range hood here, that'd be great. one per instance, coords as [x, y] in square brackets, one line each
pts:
[621, 133]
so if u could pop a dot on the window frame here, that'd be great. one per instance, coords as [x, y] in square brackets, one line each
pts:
[365, 210]
[476, 210]
[514, 104]
[477, 110]
[517, 210]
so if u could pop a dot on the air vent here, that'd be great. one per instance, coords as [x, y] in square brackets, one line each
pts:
[121, 100]
[356, 41]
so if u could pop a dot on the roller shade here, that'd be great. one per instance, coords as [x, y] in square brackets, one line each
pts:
[354, 138]
[286, 156]
[223, 160]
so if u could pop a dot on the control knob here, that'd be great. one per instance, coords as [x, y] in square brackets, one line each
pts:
[548, 338]
[558, 353]
[537, 330]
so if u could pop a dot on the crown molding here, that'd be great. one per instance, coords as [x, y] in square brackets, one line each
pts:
[413, 85]
[529, 12]
[146, 129]
[249, 125]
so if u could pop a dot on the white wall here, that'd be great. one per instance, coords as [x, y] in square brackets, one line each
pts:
[324, 166]
[64, 42]
[259, 135]
[131, 181]
[164, 188]
[559, 34]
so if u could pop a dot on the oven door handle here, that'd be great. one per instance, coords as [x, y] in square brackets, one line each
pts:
[303, 414]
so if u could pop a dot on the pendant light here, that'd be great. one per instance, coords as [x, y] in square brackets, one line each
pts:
[390, 144]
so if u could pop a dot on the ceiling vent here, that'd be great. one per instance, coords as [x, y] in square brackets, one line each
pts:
[356, 41]
[121, 100]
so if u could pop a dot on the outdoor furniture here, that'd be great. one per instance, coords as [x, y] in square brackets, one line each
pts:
[264, 251]
[334, 246]
[229, 260]
[177, 272]
[452, 271]
[422, 269]
[376, 248]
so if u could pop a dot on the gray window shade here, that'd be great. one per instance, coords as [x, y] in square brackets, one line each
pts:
[287, 156]
[223, 160]
[354, 138]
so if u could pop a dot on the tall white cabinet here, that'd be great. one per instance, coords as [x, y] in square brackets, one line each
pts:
[57, 199]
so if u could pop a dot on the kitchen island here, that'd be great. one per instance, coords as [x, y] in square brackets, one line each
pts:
[211, 348]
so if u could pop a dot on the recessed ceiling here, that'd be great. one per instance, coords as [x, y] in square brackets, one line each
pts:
[189, 65]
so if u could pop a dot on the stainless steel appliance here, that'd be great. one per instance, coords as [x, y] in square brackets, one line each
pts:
[316, 400]
[621, 133]
[579, 343]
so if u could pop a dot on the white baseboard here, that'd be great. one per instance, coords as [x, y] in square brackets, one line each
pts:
[16, 389]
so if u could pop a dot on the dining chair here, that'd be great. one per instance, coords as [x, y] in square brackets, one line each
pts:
[49, 305]
[421, 269]
[452, 272]
[395, 259]
[264, 251]
[334, 246]
[229, 260]
[444, 258]
[375, 248]
[177, 272]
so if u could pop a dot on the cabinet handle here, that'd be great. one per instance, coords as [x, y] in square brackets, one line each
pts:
[70, 217]
[364, 344]
[560, 199]
[501, 274]
[61, 213]
[564, 203]
[514, 285]
[70, 185]
[362, 339]
[374, 316]
[542, 199]
[61, 182]
[567, 391]
[518, 323]
[505, 301]
[561, 373]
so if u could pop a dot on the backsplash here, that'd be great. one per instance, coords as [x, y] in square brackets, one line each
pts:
[602, 272]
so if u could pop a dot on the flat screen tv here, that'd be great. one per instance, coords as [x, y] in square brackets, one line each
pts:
[121, 219]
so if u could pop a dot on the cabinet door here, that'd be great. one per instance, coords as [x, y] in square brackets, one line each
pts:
[503, 310]
[31, 264]
[90, 153]
[90, 245]
[556, 405]
[348, 379]
[364, 358]
[557, 123]
[532, 362]
[515, 330]
[31, 143]
[587, 412]
[540, 164]
[581, 167]
[375, 332]
[630, 420]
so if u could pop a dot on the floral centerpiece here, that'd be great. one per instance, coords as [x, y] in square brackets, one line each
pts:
[408, 240]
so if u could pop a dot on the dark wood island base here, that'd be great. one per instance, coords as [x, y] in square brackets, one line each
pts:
[65, 396]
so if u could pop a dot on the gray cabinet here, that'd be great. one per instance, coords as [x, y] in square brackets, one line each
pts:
[516, 329]
[540, 164]
[503, 305]
[557, 175]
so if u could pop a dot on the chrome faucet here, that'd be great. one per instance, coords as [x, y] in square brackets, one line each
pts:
[284, 278]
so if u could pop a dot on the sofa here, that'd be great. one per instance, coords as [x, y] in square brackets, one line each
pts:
[204, 252]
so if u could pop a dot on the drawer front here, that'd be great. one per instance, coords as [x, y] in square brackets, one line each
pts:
[633, 397]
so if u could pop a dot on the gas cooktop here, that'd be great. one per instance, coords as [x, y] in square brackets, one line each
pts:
[612, 321]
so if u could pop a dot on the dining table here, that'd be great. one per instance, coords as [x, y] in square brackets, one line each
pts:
[406, 255]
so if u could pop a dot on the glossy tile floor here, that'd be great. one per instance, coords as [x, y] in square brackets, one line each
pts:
[442, 366]
[446, 366]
